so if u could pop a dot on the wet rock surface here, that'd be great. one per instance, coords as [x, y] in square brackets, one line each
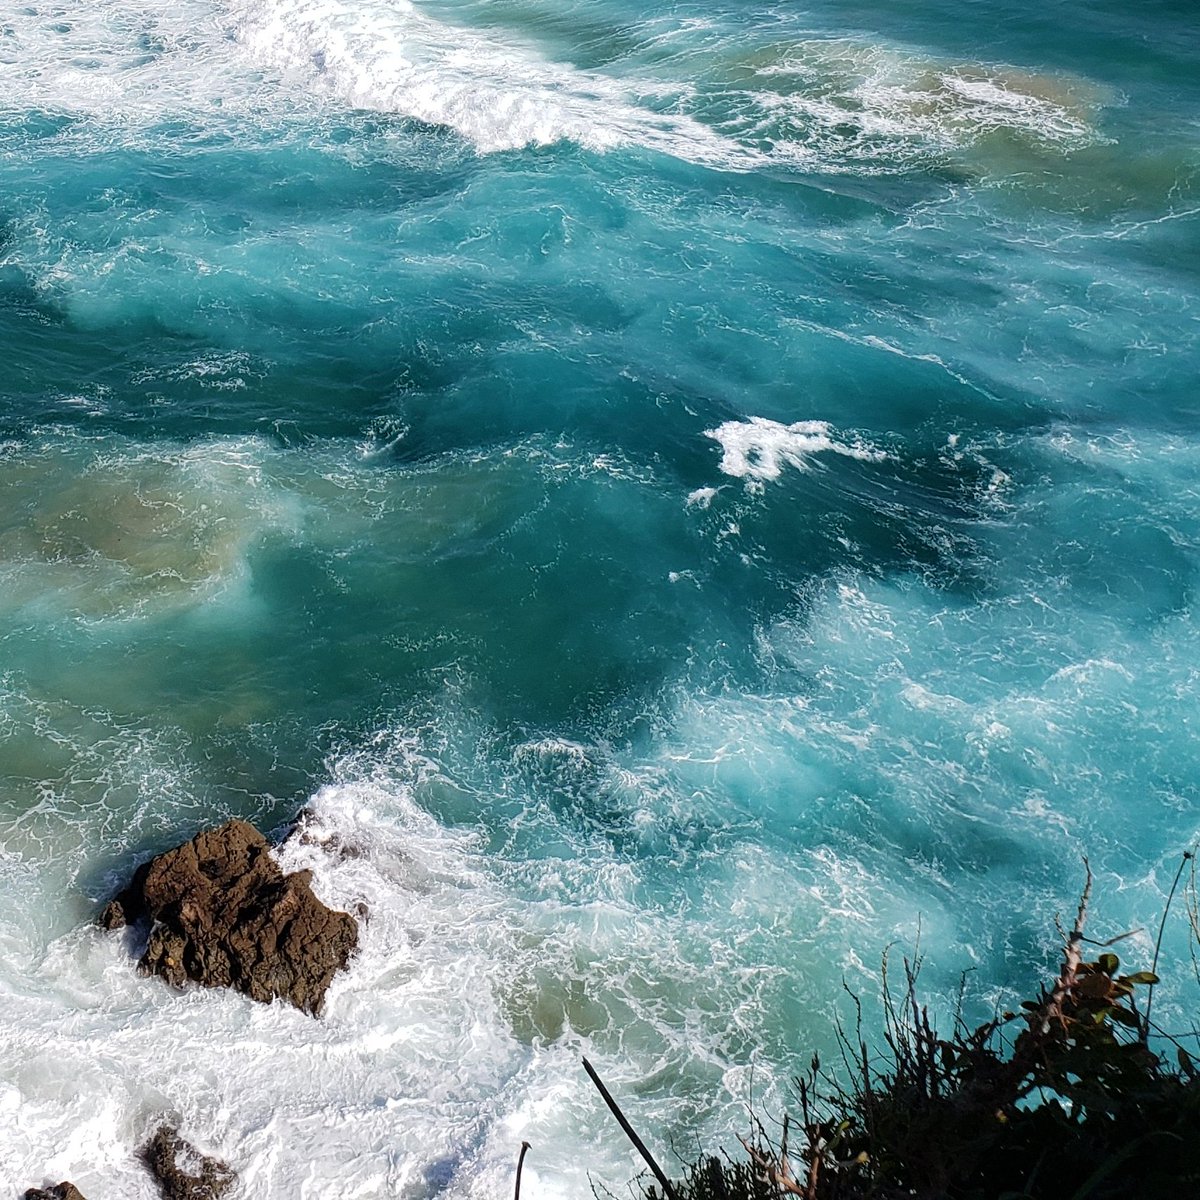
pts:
[224, 914]
[181, 1171]
[308, 830]
[60, 1191]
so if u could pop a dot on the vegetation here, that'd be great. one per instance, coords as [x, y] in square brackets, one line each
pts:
[1076, 1097]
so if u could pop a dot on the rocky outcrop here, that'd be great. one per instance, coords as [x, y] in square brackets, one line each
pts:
[224, 914]
[60, 1191]
[181, 1171]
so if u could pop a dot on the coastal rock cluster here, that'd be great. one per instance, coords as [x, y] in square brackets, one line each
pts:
[224, 914]
[179, 1169]
[182, 1172]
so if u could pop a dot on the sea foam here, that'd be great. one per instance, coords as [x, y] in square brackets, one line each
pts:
[499, 94]
[455, 1034]
[759, 449]
[814, 104]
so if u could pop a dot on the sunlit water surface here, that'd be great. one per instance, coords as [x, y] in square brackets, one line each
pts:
[691, 493]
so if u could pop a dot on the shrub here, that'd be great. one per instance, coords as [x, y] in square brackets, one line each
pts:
[1069, 1099]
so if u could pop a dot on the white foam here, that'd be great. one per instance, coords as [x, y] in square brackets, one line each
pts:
[397, 1084]
[499, 94]
[456, 1033]
[759, 449]
[869, 107]
[823, 104]
[126, 60]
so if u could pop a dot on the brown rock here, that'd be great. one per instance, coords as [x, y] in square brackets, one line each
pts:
[181, 1171]
[60, 1191]
[225, 915]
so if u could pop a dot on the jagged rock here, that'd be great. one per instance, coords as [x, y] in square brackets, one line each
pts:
[225, 915]
[308, 831]
[60, 1191]
[181, 1171]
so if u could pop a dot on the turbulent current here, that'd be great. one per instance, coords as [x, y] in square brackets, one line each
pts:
[691, 494]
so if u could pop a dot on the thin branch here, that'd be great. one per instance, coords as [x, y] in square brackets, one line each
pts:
[630, 1133]
[780, 1174]
[520, 1164]
[1162, 925]
[1112, 941]
[1072, 957]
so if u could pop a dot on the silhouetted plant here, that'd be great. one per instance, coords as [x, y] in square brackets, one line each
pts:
[1067, 1099]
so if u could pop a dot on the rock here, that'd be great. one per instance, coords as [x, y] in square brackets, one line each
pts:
[128, 907]
[225, 915]
[60, 1191]
[307, 830]
[181, 1171]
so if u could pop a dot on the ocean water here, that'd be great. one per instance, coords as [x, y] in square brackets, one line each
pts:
[692, 493]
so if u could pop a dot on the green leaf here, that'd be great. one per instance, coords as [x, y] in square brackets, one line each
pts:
[1108, 963]
[1141, 977]
[1125, 1017]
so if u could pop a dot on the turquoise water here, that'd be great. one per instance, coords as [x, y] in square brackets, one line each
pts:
[696, 493]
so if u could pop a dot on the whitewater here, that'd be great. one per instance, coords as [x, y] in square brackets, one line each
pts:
[687, 495]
